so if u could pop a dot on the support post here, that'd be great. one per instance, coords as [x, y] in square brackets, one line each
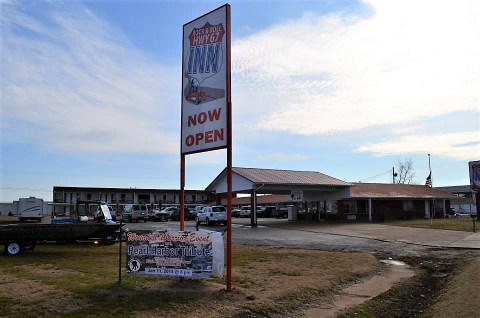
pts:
[182, 192]
[229, 153]
[477, 202]
[253, 208]
[370, 210]
[120, 257]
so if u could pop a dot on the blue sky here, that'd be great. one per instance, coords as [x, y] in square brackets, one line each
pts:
[90, 91]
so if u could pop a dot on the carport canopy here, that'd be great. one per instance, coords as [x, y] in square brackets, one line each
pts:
[315, 186]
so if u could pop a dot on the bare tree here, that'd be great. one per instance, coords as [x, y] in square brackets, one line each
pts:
[405, 171]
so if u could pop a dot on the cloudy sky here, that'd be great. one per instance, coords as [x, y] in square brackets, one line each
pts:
[90, 91]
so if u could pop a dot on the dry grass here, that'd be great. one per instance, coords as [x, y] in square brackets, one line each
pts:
[81, 281]
[460, 297]
[463, 223]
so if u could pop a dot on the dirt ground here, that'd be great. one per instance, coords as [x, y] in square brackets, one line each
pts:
[281, 295]
[411, 297]
[415, 296]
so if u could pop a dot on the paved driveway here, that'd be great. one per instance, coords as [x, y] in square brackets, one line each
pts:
[387, 233]
[345, 236]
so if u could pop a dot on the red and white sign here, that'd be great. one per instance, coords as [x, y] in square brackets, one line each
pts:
[204, 84]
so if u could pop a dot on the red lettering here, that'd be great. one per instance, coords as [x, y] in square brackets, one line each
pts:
[198, 238]
[203, 116]
[198, 138]
[209, 136]
[192, 120]
[218, 134]
[206, 137]
[189, 140]
[214, 114]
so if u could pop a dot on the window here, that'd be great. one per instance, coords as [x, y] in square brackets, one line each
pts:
[407, 205]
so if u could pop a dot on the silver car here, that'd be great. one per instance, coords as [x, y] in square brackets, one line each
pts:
[209, 215]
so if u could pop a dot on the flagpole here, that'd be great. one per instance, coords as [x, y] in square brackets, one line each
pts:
[429, 167]
[431, 185]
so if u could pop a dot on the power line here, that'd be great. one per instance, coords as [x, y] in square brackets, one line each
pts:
[119, 176]
[378, 175]
[26, 189]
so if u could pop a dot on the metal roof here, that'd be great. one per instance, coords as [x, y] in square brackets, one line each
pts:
[273, 176]
[399, 191]
[456, 189]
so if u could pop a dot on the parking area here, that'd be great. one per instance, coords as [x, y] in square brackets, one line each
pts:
[390, 233]
[272, 229]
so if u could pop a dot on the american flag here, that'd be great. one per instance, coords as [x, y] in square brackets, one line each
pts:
[428, 182]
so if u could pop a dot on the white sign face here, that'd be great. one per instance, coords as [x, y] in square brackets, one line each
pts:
[204, 83]
[296, 195]
[474, 167]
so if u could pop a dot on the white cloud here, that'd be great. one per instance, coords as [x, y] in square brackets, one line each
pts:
[463, 145]
[406, 62]
[74, 83]
[278, 156]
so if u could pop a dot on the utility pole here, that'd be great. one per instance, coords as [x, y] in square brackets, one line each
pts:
[394, 174]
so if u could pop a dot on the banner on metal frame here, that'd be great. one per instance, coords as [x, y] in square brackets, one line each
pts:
[197, 254]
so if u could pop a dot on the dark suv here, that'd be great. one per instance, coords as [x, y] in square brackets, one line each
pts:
[175, 216]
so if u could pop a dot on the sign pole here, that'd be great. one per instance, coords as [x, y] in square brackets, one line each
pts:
[120, 256]
[182, 192]
[229, 158]
[207, 100]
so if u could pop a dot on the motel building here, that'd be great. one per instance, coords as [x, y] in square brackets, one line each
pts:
[67, 199]
[314, 196]
[305, 195]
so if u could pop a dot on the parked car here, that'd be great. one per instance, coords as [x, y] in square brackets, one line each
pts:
[159, 215]
[135, 212]
[175, 215]
[280, 213]
[169, 209]
[193, 214]
[266, 212]
[236, 213]
[212, 214]
[245, 211]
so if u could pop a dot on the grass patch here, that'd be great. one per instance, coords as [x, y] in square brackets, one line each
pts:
[459, 297]
[463, 223]
[81, 281]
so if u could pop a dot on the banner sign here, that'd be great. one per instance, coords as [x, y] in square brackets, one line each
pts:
[204, 82]
[474, 168]
[197, 254]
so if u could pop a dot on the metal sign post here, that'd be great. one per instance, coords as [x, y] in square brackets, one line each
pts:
[207, 101]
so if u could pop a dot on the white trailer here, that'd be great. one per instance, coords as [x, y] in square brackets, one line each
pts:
[30, 209]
